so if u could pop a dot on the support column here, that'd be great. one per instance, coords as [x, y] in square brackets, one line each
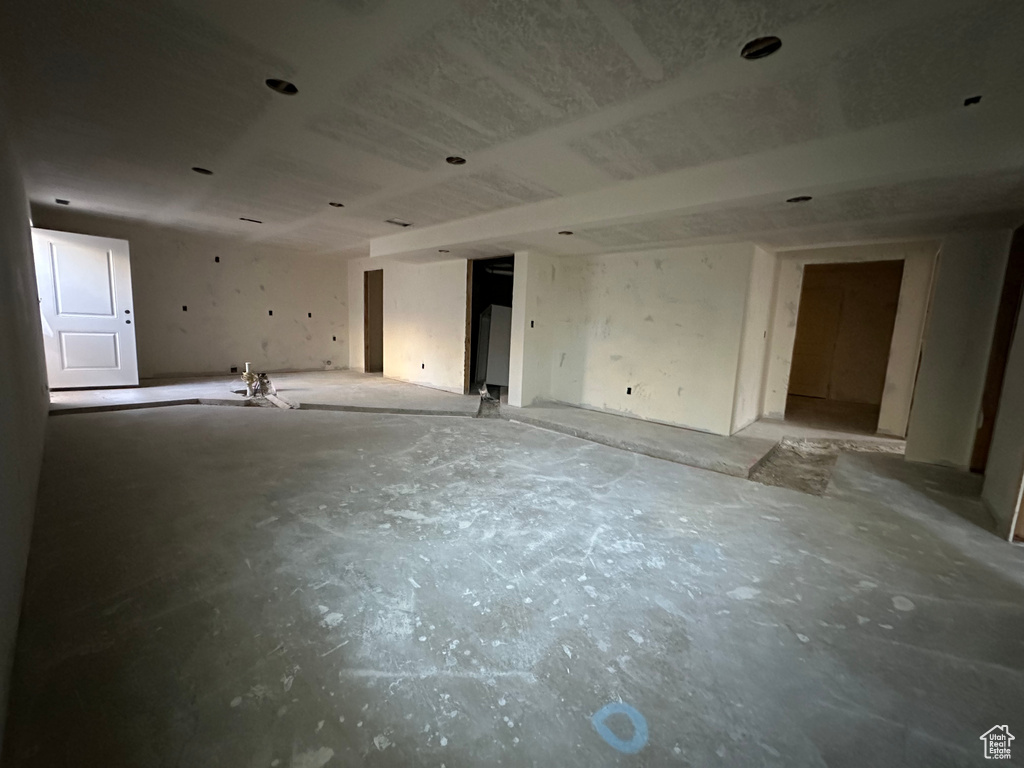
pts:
[529, 370]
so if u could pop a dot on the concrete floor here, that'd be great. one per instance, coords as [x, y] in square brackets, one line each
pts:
[325, 390]
[258, 587]
[735, 455]
[857, 418]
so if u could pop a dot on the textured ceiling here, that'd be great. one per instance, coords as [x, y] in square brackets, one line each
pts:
[956, 201]
[111, 103]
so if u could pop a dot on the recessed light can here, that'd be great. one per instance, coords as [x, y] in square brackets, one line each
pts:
[281, 86]
[760, 47]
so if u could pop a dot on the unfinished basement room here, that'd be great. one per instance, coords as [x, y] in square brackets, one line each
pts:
[527, 383]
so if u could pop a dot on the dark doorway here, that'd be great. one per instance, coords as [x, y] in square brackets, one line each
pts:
[490, 311]
[373, 321]
[843, 334]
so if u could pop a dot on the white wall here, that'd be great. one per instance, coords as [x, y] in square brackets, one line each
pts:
[227, 322]
[954, 361]
[23, 404]
[905, 348]
[907, 339]
[532, 299]
[666, 323]
[1003, 475]
[757, 319]
[425, 324]
[424, 321]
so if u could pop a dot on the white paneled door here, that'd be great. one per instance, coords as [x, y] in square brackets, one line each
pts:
[85, 298]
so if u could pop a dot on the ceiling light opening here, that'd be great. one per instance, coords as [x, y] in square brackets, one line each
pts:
[336, 205]
[254, 221]
[443, 250]
[565, 232]
[800, 199]
[281, 86]
[760, 47]
[455, 160]
[398, 222]
[202, 171]
[972, 101]
[58, 201]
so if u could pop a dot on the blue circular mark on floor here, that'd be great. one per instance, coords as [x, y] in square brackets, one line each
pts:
[633, 745]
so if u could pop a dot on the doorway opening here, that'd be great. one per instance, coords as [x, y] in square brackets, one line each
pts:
[489, 320]
[373, 321]
[844, 332]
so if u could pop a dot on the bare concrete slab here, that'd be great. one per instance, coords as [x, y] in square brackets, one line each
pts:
[263, 587]
[736, 456]
[316, 390]
[369, 393]
[150, 394]
[776, 430]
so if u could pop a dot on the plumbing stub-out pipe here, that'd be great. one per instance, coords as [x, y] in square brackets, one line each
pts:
[250, 380]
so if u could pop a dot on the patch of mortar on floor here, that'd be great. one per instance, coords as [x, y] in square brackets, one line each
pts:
[489, 409]
[805, 465]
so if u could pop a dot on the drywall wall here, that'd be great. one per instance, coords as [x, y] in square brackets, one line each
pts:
[228, 321]
[666, 324]
[424, 321]
[23, 407]
[532, 302]
[907, 338]
[954, 360]
[1005, 471]
[356, 327]
[904, 350]
[754, 341]
[425, 324]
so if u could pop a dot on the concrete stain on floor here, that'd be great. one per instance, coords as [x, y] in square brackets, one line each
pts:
[256, 587]
[806, 465]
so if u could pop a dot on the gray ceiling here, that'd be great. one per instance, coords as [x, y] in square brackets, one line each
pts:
[111, 103]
